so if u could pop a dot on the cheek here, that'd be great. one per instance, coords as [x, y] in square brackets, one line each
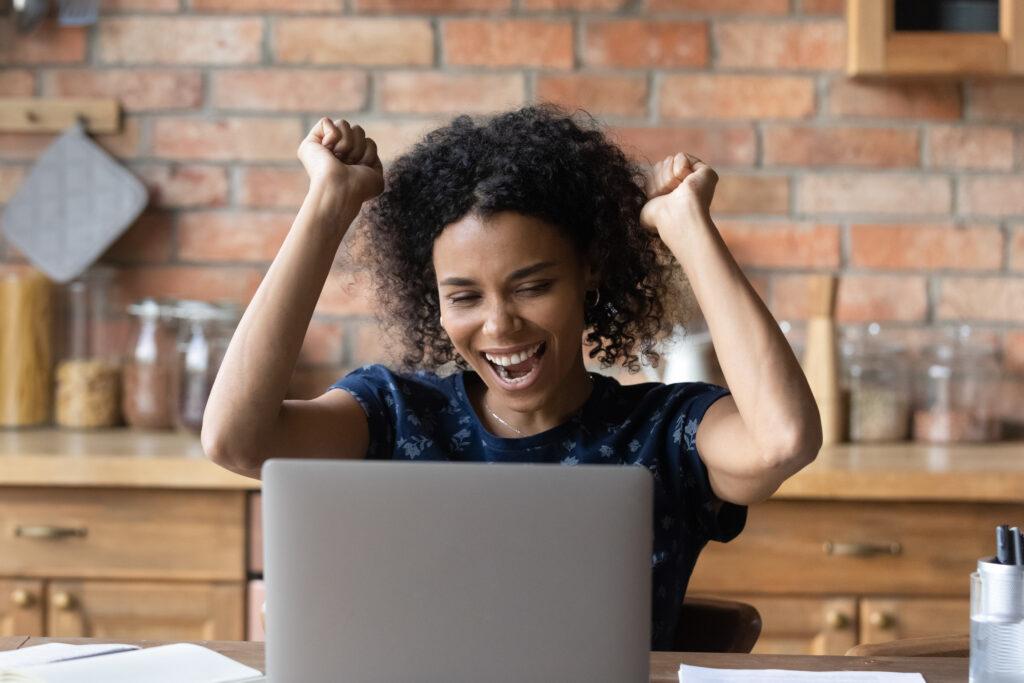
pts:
[458, 329]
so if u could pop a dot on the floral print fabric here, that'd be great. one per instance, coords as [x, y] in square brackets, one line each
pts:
[423, 416]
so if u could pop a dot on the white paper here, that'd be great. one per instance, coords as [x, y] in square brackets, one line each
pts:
[700, 674]
[56, 652]
[178, 663]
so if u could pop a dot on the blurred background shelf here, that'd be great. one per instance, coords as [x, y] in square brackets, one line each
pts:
[878, 47]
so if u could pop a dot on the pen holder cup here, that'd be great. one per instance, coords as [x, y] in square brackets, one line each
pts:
[997, 623]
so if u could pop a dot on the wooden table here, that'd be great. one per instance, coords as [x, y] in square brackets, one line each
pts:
[664, 665]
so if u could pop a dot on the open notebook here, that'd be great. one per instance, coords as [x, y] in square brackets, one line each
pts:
[178, 663]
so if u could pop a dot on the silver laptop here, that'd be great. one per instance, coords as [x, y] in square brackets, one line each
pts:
[450, 572]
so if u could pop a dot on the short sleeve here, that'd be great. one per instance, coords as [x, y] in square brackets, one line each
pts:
[371, 387]
[717, 520]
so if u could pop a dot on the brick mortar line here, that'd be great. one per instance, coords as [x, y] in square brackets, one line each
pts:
[1007, 234]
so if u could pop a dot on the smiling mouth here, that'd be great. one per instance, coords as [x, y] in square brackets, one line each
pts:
[516, 368]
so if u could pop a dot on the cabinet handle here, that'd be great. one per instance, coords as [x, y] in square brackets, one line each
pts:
[49, 532]
[62, 600]
[882, 620]
[836, 620]
[861, 549]
[21, 597]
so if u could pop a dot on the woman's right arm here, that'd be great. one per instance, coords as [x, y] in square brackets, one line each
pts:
[247, 418]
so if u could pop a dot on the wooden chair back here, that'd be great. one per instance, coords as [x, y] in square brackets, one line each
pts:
[713, 625]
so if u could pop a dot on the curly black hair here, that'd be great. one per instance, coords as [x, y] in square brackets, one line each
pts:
[538, 161]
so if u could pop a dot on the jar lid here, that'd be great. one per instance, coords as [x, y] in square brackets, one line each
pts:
[870, 341]
[151, 308]
[204, 311]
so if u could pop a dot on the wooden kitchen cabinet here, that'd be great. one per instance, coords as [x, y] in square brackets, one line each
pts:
[883, 619]
[145, 610]
[146, 538]
[21, 607]
[112, 533]
[799, 625]
[123, 563]
[827, 575]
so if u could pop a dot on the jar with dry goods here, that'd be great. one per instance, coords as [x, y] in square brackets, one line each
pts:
[877, 386]
[957, 389]
[147, 393]
[89, 373]
[204, 330]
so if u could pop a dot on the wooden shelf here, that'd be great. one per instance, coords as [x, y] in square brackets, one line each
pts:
[53, 115]
[874, 48]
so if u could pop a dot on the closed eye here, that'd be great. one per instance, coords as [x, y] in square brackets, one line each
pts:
[535, 289]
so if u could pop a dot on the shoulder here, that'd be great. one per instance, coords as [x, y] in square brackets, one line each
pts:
[656, 396]
[649, 408]
[382, 381]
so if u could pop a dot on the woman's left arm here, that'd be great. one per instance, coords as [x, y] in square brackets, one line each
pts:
[769, 428]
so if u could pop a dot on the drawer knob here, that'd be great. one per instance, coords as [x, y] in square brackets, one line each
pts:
[861, 549]
[882, 620]
[48, 532]
[21, 597]
[62, 600]
[836, 620]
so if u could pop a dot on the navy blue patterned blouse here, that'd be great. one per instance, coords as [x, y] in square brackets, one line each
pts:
[425, 417]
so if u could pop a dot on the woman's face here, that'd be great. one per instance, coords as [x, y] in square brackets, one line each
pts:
[511, 290]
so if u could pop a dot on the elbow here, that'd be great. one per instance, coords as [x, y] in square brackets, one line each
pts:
[796, 447]
[213, 445]
[220, 451]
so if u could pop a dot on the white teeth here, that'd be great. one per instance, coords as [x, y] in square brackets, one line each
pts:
[513, 358]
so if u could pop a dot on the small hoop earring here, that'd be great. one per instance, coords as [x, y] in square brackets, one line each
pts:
[597, 298]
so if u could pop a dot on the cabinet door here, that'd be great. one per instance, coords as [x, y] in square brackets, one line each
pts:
[141, 610]
[803, 625]
[885, 619]
[21, 607]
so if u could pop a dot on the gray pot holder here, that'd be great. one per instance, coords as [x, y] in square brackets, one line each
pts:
[75, 203]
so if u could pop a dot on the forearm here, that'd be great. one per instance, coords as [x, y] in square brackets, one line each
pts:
[253, 378]
[767, 383]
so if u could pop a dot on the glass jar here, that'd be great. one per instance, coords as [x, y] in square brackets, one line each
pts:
[204, 330]
[957, 391]
[89, 372]
[147, 396]
[876, 385]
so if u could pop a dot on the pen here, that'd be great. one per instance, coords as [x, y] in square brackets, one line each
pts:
[1015, 540]
[1003, 548]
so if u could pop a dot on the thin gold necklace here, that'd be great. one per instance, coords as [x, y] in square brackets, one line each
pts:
[513, 428]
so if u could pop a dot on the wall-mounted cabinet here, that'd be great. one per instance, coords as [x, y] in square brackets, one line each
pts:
[887, 38]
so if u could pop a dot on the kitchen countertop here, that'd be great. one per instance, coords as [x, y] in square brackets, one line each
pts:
[111, 457]
[149, 459]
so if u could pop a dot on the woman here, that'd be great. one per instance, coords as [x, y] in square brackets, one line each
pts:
[500, 246]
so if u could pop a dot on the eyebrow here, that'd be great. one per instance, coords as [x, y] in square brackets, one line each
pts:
[515, 275]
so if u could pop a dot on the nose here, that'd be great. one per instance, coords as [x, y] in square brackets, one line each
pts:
[501, 319]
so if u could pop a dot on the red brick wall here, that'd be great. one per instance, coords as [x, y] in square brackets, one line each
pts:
[913, 192]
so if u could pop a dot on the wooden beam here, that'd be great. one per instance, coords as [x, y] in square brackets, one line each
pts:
[936, 53]
[52, 115]
[867, 25]
[1011, 28]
